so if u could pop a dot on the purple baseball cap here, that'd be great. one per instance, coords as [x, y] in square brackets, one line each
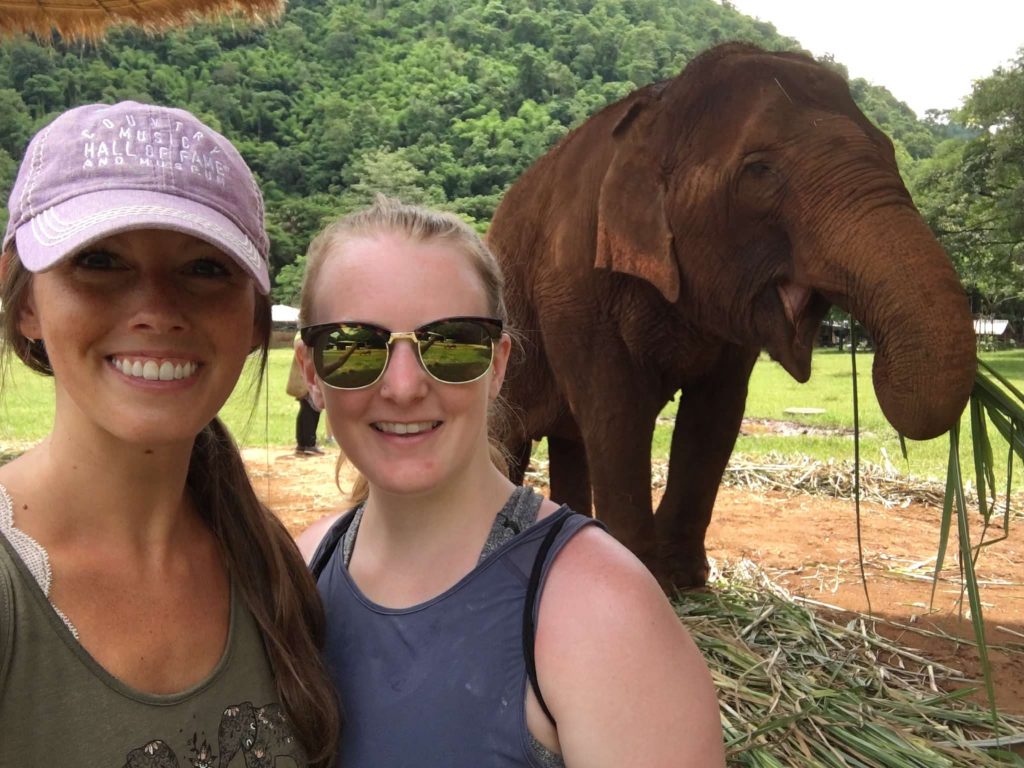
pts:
[101, 169]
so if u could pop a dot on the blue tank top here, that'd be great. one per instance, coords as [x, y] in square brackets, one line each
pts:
[441, 684]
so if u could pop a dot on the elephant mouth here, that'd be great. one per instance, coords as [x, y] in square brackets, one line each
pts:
[797, 311]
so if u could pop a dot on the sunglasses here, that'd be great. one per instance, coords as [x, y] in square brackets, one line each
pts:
[454, 350]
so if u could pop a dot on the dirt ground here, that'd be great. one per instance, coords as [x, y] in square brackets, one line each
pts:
[809, 545]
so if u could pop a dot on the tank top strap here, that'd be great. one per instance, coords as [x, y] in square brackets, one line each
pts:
[329, 543]
[563, 525]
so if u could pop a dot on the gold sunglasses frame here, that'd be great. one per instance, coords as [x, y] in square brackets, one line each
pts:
[311, 333]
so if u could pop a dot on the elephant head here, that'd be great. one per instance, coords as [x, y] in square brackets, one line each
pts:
[155, 754]
[756, 196]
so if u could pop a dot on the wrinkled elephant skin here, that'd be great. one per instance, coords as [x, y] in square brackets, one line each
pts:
[666, 241]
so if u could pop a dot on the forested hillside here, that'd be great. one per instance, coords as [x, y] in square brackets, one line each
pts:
[438, 101]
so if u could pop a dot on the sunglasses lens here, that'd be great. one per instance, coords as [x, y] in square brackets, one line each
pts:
[351, 356]
[456, 351]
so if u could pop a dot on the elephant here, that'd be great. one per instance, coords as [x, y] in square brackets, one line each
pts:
[262, 734]
[666, 241]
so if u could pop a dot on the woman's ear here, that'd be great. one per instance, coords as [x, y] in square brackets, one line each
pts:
[28, 317]
[502, 352]
[316, 395]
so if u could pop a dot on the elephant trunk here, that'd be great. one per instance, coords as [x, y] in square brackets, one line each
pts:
[900, 284]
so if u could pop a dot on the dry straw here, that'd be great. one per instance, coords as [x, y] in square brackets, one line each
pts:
[798, 689]
[879, 484]
[90, 19]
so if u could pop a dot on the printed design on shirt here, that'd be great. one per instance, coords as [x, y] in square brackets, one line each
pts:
[156, 754]
[257, 736]
[262, 734]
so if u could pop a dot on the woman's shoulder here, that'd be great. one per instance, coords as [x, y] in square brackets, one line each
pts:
[310, 539]
[599, 596]
[594, 561]
[613, 657]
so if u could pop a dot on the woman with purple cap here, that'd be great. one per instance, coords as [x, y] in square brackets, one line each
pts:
[152, 611]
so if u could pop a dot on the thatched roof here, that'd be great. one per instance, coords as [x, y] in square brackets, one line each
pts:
[89, 19]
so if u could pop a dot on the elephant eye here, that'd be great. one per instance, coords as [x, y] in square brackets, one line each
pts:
[758, 169]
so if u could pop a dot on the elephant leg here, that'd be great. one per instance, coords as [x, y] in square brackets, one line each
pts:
[620, 464]
[707, 423]
[237, 731]
[617, 429]
[570, 481]
[519, 460]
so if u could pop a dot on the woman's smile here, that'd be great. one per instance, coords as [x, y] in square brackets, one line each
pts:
[405, 427]
[137, 316]
[154, 368]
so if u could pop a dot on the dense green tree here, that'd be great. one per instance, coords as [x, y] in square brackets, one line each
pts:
[996, 107]
[971, 189]
[16, 126]
[388, 172]
[8, 170]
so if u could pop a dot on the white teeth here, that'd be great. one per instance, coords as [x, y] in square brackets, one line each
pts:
[155, 370]
[401, 428]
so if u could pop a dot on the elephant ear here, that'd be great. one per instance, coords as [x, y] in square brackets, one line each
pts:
[633, 235]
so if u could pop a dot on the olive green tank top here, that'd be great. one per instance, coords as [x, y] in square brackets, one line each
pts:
[58, 707]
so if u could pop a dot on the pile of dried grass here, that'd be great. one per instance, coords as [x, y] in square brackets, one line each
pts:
[798, 689]
[879, 484]
[801, 474]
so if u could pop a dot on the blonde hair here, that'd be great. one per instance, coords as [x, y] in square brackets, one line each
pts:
[420, 225]
[262, 558]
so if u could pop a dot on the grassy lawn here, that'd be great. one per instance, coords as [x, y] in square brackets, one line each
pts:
[772, 391]
[27, 407]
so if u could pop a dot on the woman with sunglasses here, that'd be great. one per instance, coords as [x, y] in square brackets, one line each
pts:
[469, 622]
[152, 611]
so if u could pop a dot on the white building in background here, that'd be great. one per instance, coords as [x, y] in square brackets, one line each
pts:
[282, 313]
[994, 331]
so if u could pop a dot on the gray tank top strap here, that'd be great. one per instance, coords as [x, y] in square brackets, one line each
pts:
[518, 514]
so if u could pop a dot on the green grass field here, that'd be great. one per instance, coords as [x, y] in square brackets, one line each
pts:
[830, 388]
[27, 407]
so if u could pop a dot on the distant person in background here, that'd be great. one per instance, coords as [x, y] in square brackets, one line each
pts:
[308, 417]
[153, 612]
[470, 622]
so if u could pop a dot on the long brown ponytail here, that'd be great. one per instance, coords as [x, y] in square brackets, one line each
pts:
[275, 585]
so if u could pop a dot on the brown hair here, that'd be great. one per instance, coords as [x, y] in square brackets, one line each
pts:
[420, 225]
[265, 564]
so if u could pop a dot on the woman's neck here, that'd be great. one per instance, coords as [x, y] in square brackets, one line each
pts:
[411, 548]
[459, 513]
[73, 487]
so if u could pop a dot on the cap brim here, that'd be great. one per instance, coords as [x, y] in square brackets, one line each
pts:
[67, 227]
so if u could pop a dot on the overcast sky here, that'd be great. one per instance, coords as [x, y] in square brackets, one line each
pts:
[926, 52]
